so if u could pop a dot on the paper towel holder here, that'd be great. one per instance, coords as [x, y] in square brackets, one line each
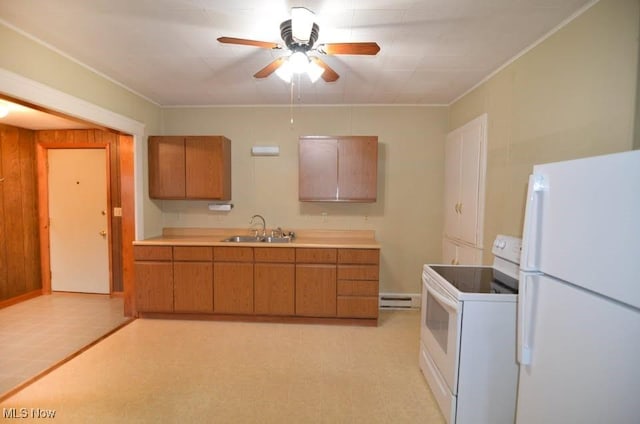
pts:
[220, 207]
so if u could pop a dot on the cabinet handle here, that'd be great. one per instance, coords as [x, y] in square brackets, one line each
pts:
[460, 208]
[456, 208]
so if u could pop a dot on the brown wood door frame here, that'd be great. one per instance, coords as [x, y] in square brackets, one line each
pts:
[127, 203]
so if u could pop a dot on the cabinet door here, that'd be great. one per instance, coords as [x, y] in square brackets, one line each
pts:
[233, 288]
[449, 252]
[274, 289]
[193, 286]
[317, 168]
[469, 255]
[166, 167]
[358, 168]
[464, 182]
[208, 168]
[469, 182]
[154, 286]
[452, 151]
[456, 254]
[316, 290]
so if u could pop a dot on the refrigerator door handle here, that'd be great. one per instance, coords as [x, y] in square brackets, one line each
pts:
[529, 260]
[525, 308]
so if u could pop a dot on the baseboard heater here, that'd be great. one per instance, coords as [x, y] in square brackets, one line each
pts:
[399, 300]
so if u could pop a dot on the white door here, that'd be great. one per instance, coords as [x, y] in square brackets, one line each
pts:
[78, 220]
[472, 139]
[452, 150]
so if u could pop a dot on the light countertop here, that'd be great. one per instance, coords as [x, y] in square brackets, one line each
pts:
[346, 239]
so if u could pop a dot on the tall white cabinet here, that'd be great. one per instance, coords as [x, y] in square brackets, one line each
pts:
[465, 166]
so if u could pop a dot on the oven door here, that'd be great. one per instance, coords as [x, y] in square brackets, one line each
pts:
[440, 328]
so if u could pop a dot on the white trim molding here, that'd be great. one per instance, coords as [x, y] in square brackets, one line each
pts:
[36, 93]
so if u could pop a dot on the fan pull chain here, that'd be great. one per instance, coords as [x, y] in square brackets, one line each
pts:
[291, 104]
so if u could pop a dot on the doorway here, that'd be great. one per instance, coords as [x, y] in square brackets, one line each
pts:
[78, 220]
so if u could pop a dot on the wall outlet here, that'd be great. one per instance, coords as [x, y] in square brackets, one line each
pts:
[117, 211]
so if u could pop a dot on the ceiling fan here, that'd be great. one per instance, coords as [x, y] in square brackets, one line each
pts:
[299, 34]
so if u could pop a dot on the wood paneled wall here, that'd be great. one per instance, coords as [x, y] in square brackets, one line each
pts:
[66, 139]
[19, 240]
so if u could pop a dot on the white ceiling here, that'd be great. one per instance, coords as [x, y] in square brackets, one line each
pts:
[432, 51]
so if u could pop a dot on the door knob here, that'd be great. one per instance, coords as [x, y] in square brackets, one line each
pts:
[103, 233]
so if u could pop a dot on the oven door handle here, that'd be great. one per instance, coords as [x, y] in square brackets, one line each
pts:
[442, 299]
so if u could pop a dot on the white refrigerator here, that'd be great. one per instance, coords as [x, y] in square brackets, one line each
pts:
[579, 295]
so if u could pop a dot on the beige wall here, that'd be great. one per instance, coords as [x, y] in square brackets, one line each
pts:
[407, 217]
[23, 56]
[571, 96]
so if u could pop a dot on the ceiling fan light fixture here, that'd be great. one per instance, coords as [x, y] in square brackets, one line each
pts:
[299, 62]
[284, 72]
[314, 71]
[301, 23]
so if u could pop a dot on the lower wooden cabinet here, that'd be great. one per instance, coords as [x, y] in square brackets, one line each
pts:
[358, 273]
[270, 281]
[154, 286]
[233, 288]
[153, 278]
[316, 290]
[193, 286]
[274, 287]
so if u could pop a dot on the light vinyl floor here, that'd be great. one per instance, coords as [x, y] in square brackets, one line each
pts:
[166, 371]
[39, 333]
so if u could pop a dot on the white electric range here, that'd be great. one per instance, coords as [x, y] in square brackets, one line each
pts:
[468, 336]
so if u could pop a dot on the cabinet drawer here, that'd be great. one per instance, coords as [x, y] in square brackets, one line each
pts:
[358, 256]
[357, 307]
[152, 253]
[274, 254]
[358, 272]
[233, 254]
[316, 256]
[357, 288]
[192, 253]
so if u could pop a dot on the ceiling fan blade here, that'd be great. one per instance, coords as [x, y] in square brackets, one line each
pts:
[245, 42]
[270, 68]
[329, 75]
[349, 48]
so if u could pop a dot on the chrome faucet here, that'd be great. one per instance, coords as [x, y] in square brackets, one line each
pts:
[264, 224]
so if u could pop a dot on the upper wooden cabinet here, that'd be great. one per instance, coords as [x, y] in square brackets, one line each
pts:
[342, 169]
[191, 167]
[465, 157]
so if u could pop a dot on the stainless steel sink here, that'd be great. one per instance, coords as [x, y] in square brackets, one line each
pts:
[272, 239]
[257, 239]
[244, 239]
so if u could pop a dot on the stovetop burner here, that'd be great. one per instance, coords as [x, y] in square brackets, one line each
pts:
[470, 279]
